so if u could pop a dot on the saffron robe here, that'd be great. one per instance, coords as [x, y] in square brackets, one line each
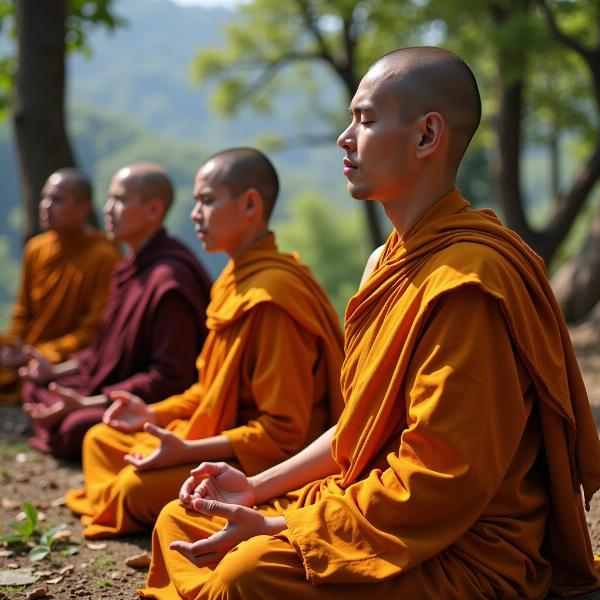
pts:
[268, 380]
[463, 448]
[152, 329]
[63, 289]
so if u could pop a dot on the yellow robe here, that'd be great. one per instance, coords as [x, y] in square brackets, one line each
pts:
[63, 289]
[268, 380]
[464, 442]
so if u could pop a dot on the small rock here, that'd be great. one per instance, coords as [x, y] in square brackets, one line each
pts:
[3, 596]
[21, 457]
[37, 593]
[96, 545]
[10, 504]
[55, 580]
[115, 575]
[12, 565]
[58, 502]
[44, 573]
[64, 535]
[138, 561]
[5, 553]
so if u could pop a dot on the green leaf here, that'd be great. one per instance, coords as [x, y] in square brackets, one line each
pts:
[48, 536]
[39, 552]
[69, 551]
[31, 514]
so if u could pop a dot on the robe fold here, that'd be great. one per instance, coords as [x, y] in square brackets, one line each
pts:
[464, 446]
[63, 290]
[268, 380]
[151, 331]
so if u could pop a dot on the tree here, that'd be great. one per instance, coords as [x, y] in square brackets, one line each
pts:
[344, 35]
[44, 32]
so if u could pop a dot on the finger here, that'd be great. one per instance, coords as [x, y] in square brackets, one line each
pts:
[187, 488]
[200, 561]
[123, 396]
[31, 352]
[209, 469]
[24, 372]
[214, 508]
[62, 392]
[135, 459]
[111, 411]
[156, 431]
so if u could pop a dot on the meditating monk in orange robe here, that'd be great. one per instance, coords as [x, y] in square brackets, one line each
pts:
[64, 282]
[268, 371]
[457, 466]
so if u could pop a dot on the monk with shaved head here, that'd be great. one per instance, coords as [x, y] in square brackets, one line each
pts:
[466, 450]
[152, 327]
[64, 282]
[268, 372]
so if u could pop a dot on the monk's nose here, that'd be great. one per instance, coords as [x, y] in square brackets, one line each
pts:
[346, 140]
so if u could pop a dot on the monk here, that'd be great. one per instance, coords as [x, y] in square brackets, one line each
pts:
[152, 327]
[268, 372]
[64, 282]
[457, 468]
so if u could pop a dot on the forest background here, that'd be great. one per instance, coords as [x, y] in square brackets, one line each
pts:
[140, 92]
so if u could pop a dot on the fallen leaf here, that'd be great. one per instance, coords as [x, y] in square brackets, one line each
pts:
[138, 561]
[58, 502]
[17, 577]
[55, 580]
[66, 569]
[63, 534]
[12, 565]
[37, 593]
[10, 504]
[96, 545]
[44, 573]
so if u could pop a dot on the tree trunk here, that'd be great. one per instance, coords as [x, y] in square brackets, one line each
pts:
[38, 110]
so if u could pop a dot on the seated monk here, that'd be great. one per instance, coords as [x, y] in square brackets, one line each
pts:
[152, 327]
[64, 282]
[268, 372]
[455, 471]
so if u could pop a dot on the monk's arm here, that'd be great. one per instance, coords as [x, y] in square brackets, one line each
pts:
[58, 349]
[465, 418]
[172, 340]
[279, 365]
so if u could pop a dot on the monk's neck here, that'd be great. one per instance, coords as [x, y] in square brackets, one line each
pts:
[236, 251]
[407, 208]
[138, 244]
[68, 236]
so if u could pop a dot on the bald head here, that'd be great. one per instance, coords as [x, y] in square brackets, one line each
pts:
[428, 79]
[241, 169]
[150, 180]
[75, 181]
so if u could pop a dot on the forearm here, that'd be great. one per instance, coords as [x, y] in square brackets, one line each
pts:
[310, 464]
[208, 449]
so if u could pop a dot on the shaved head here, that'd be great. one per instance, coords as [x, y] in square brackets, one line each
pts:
[75, 181]
[150, 180]
[427, 79]
[241, 169]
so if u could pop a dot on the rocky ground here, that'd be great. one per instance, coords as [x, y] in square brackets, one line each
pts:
[76, 568]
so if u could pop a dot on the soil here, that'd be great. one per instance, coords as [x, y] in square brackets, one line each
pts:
[98, 569]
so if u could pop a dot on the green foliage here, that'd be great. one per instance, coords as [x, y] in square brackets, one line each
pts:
[43, 549]
[334, 246]
[25, 530]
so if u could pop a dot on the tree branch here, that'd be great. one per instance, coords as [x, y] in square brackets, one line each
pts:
[561, 36]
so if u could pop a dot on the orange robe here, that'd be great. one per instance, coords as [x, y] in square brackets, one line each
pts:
[64, 285]
[268, 380]
[464, 444]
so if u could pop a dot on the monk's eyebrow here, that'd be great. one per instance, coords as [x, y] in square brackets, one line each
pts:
[361, 108]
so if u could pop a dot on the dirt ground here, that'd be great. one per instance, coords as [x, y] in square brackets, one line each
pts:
[98, 570]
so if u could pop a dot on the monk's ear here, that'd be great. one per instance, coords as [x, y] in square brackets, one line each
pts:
[253, 203]
[156, 210]
[432, 128]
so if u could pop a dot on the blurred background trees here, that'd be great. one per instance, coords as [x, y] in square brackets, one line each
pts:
[280, 75]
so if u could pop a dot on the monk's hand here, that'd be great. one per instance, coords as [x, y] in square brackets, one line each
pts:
[38, 368]
[243, 523]
[172, 451]
[217, 481]
[12, 355]
[128, 412]
[67, 401]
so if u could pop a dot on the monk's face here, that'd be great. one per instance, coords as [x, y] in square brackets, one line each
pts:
[218, 218]
[59, 207]
[379, 142]
[126, 212]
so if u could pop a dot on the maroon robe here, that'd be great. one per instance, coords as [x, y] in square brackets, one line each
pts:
[152, 329]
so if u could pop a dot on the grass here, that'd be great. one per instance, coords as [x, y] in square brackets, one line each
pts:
[104, 583]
